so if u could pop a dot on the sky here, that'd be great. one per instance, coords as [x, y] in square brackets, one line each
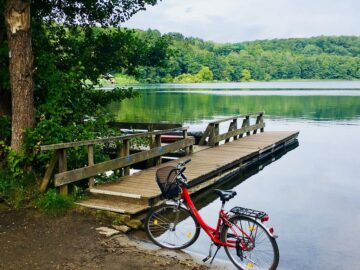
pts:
[247, 20]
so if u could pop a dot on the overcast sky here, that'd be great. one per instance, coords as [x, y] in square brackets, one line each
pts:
[245, 20]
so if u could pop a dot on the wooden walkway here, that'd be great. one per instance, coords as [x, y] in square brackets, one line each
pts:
[137, 192]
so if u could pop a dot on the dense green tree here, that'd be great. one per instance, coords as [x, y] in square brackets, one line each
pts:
[311, 58]
[19, 23]
[245, 75]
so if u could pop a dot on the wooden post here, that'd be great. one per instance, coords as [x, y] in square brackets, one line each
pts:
[90, 163]
[63, 168]
[158, 144]
[245, 123]
[205, 135]
[232, 126]
[257, 122]
[49, 170]
[235, 127]
[150, 162]
[214, 132]
[262, 121]
[191, 149]
[211, 141]
[125, 151]
[248, 124]
[187, 149]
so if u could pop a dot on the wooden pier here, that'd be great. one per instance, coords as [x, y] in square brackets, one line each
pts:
[210, 162]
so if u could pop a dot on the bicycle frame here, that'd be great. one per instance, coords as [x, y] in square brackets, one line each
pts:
[214, 233]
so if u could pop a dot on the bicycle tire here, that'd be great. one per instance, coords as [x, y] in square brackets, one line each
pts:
[248, 260]
[161, 226]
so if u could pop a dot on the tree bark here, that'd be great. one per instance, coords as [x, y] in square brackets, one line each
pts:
[17, 17]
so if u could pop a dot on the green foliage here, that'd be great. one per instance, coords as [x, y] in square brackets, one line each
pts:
[310, 58]
[204, 75]
[87, 12]
[69, 61]
[186, 78]
[70, 55]
[5, 129]
[245, 75]
[17, 191]
[125, 79]
[53, 203]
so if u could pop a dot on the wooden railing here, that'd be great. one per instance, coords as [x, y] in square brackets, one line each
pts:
[144, 126]
[123, 161]
[212, 136]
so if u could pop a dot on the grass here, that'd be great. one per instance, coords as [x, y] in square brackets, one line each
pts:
[53, 203]
[124, 79]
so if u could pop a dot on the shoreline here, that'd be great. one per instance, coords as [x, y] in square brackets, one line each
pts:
[32, 240]
[255, 85]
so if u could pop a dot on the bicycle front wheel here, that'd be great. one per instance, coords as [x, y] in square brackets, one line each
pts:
[172, 227]
[254, 247]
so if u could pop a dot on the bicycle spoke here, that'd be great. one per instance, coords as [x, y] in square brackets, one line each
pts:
[172, 227]
[259, 253]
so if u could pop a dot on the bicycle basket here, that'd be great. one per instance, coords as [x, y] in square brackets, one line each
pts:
[165, 177]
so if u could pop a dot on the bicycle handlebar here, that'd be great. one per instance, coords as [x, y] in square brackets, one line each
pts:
[182, 164]
[181, 178]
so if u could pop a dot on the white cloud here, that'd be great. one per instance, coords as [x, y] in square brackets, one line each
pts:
[239, 20]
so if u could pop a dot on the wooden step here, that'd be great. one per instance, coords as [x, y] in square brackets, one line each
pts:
[114, 206]
[118, 196]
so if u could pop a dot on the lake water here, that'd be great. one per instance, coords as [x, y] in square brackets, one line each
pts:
[312, 192]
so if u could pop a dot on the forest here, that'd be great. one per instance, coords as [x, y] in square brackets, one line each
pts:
[192, 59]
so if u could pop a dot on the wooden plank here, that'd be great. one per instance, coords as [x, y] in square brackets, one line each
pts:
[48, 173]
[144, 126]
[125, 151]
[237, 132]
[110, 139]
[157, 144]
[86, 172]
[62, 168]
[91, 163]
[236, 117]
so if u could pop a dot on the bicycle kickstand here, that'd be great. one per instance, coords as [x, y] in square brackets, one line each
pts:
[210, 253]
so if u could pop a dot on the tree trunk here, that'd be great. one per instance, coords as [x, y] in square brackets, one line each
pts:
[17, 16]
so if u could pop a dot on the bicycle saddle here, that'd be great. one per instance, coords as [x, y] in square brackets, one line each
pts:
[225, 195]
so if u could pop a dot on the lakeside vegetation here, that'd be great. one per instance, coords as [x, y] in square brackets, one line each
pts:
[317, 58]
[64, 62]
[57, 101]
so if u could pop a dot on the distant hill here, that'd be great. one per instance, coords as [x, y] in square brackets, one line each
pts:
[321, 57]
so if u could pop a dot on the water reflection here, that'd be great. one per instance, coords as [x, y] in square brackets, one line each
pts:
[180, 107]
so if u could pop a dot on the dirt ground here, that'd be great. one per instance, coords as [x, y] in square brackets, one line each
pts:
[31, 240]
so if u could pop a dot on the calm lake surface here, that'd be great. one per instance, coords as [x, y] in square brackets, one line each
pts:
[311, 192]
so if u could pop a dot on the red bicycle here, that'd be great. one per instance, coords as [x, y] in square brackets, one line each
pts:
[176, 225]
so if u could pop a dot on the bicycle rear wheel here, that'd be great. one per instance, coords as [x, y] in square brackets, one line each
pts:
[172, 227]
[261, 250]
